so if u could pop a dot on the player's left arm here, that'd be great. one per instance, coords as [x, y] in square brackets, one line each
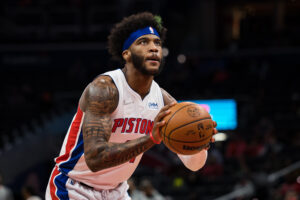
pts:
[192, 162]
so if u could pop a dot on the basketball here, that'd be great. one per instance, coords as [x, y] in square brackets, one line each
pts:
[188, 128]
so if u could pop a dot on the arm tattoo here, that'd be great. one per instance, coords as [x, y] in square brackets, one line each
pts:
[95, 131]
[113, 154]
[102, 100]
[98, 128]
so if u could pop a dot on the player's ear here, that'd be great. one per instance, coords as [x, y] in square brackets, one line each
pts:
[126, 55]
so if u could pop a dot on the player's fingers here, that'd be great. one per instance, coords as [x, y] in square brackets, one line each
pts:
[162, 114]
[215, 131]
[159, 124]
[164, 111]
[166, 107]
[173, 103]
[215, 124]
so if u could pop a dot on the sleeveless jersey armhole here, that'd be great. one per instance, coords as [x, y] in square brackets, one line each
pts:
[162, 97]
[161, 94]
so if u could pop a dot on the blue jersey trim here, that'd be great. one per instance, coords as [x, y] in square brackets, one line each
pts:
[77, 152]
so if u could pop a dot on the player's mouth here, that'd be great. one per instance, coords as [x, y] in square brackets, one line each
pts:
[153, 59]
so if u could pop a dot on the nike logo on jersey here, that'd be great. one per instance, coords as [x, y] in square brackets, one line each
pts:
[128, 101]
[133, 125]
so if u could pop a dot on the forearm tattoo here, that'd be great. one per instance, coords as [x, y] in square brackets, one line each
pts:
[113, 154]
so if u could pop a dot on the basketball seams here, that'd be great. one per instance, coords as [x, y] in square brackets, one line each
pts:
[198, 120]
[183, 126]
[172, 143]
[171, 118]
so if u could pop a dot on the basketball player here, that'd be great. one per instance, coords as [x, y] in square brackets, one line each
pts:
[118, 118]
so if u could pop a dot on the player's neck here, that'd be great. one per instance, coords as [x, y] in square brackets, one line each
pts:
[139, 82]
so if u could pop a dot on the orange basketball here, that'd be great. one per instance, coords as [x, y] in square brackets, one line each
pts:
[188, 128]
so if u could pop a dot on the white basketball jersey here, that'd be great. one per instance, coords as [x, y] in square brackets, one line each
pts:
[133, 118]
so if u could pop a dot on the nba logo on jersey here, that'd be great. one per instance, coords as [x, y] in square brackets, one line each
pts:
[151, 30]
[153, 105]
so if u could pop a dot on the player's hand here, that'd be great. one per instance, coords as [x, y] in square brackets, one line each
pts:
[215, 132]
[212, 140]
[159, 122]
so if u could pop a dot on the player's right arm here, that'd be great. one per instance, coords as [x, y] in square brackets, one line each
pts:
[98, 101]
[192, 162]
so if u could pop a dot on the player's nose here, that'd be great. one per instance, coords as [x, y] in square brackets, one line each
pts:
[153, 47]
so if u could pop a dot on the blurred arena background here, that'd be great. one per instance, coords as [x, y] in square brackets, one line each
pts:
[246, 50]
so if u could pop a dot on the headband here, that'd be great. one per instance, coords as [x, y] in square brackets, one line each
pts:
[135, 35]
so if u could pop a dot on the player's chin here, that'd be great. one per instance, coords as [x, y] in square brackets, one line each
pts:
[152, 65]
[153, 72]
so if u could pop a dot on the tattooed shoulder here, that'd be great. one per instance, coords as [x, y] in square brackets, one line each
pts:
[101, 96]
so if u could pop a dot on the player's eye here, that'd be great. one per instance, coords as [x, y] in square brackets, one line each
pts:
[143, 42]
[157, 42]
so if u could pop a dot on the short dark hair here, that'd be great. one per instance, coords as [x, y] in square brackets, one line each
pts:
[122, 30]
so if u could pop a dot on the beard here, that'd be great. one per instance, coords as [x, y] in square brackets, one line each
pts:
[139, 64]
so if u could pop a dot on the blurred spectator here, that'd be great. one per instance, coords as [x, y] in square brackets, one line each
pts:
[217, 153]
[32, 183]
[5, 192]
[289, 190]
[236, 147]
[246, 188]
[212, 169]
[291, 195]
[256, 148]
[149, 192]
[133, 191]
[28, 193]
[271, 140]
